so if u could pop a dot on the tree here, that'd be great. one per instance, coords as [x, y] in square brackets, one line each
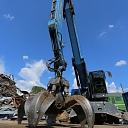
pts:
[36, 89]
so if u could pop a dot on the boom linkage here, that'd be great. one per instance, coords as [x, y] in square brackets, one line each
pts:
[65, 9]
[77, 60]
[55, 26]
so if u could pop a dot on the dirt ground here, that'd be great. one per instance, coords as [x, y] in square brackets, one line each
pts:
[13, 124]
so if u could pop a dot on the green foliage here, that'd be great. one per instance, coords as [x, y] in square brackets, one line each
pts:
[36, 89]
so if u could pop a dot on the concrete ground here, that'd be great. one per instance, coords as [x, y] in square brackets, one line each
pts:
[13, 124]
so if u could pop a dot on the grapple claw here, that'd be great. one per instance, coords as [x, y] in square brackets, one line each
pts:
[21, 112]
[82, 108]
[53, 102]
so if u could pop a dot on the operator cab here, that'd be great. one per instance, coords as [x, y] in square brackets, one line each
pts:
[98, 87]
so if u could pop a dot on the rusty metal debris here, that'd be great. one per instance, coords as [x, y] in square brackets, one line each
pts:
[10, 97]
[9, 89]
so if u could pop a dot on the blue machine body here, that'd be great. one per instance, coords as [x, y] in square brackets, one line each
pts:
[55, 27]
[77, 60]
[125, 97]
[86, 82]
[91, 85]
[75, 92]
[64, 9]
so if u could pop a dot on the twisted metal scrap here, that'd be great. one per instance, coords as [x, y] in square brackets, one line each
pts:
[8, 88]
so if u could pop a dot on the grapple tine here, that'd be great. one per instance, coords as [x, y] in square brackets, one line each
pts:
[48, 109]
[23, 109]
[88, 111]
[86, 107]
[21, 112]
[33, 114]
[81, 113]
[27, 105]
[46, 105]
[78, 111]
[51, 116]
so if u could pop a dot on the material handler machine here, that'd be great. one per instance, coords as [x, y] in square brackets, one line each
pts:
[56, 99]
[92, 98]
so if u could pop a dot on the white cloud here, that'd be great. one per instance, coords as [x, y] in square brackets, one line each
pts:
[25, 57]
[126, 89]
[75, 84]
[120, 63]
[2, 67]
[102, 34]
[111, 26]
[49, 77]
[112, 88]
[33, 71]
[27, 85]
[73, 72]
[8, 16]
[31, 74]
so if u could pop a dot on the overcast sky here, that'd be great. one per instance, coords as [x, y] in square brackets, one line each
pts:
[102, 27]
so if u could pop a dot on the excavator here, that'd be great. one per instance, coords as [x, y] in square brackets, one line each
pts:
[90, 101]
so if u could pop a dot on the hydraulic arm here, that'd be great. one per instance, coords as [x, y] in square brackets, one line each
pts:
[60, 9]
[86, 82]
[55, 26]
[77, 60]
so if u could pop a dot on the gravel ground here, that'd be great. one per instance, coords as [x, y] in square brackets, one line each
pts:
[13, 124]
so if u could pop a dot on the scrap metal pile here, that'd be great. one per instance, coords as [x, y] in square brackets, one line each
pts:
[7, 86]
[10, 97]
[9, 89]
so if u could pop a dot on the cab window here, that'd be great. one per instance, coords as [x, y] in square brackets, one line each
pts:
[118, 98]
